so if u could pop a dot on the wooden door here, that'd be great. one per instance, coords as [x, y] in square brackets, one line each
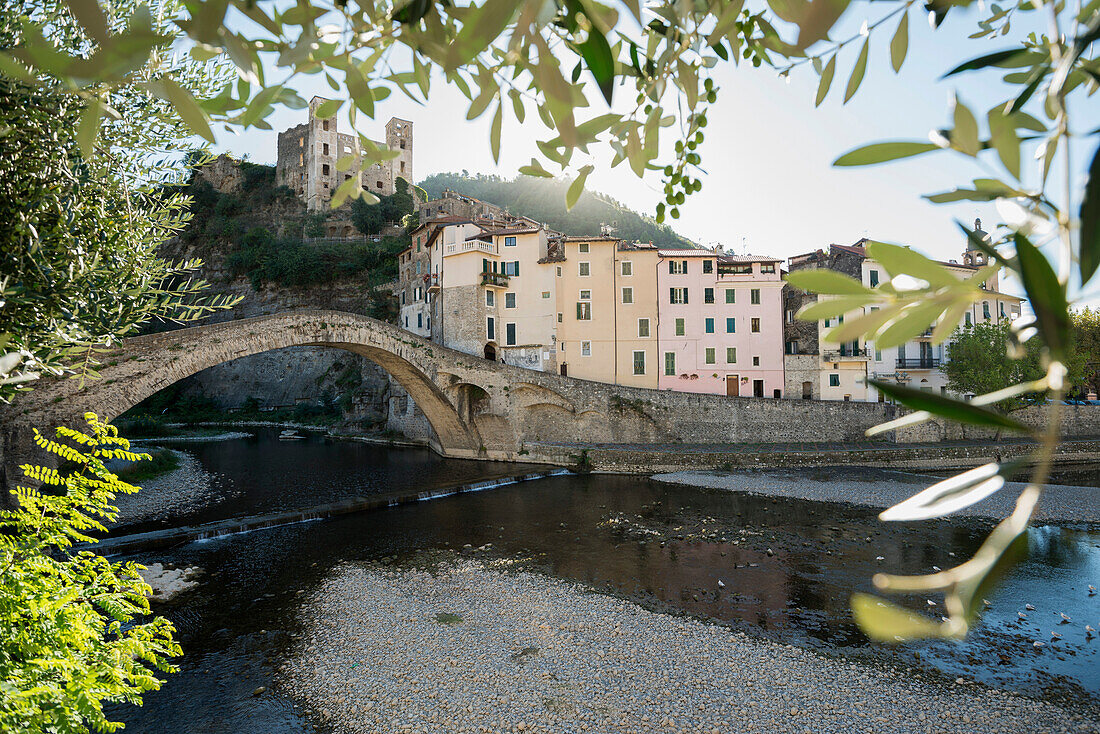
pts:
[733, 386]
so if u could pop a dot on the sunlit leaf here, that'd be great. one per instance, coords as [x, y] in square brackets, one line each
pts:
[949, 496]
[494, 132]
[900, 260]
[573, 195]
[1003, 137]
[328, 108]
[883, 621]
[911, 322]
[827, 308]
[1046, 294]
[943, 406]
[827, 281]
[899, 44]
[826, 81]
[88, 128]
[997, 58]
[817, 19]
[880, 152]
[964, 137]
[1090, 221]
[857, 72]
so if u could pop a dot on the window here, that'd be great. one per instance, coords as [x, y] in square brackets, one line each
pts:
[874, 278]
[744, 269]
[490, 298]
[584, 311]
[402, 298]
[754, 296]
[755, 328]
[639, 363]
[546, 294]
[1001, 308]
[418, 268]
[730, 296]
[677, 267]
[559, 271]
[709, 326]
[627, 267]
[509, 300]
[670, 364]
[756, 361]
[731, 325]
[709, 356]
[792, 347]
[643, 328]
[324, 148]
[324, 125]
[586, 349]
[767, 268]
[582, 247]
[708, 294]
[708, 266]
[678, 295]
[584, 269]
[420, 321]
[377, 184]
[834, 380]
[731, 355]
[968, 322]
[586, 295]
[324, 169]
[559, 316]
[985, 310]
[509, 241]
[679, 327]
[628, 295]
[878, 355]
[511, 268]
[491, 328]
[510, 334]
[790, 316]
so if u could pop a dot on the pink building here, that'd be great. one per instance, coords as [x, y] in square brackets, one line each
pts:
[720, 326]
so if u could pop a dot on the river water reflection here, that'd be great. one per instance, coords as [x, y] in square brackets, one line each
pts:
[787, 568]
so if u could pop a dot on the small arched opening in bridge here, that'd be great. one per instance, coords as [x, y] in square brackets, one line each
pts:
[472, 400]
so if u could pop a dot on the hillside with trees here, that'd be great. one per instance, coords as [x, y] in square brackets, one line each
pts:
[544, 199]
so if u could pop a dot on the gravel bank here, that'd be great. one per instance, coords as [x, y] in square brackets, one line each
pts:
[228, 436]
[171, 494]
[474, 646]
[885, 488]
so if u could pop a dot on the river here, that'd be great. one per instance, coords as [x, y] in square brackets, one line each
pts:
[787, 568]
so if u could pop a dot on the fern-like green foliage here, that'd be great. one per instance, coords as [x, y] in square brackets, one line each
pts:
[75, 629]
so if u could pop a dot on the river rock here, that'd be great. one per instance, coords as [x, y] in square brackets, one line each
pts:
[167, 583]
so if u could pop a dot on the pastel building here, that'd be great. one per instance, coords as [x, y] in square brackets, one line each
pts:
[720, 328]
[607, 310]
[816, 369]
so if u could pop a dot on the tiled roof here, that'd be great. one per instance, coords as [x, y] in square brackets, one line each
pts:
[685, 253]
[748, 259]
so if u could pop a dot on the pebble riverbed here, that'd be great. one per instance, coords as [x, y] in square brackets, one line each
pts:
[459, 644]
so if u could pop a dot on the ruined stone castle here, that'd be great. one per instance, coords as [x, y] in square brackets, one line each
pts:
[308, 154]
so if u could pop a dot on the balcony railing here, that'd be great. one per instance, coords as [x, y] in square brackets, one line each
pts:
[432, 279]
[496, 280]
[470, 246]
[837, 355]
[923, 363]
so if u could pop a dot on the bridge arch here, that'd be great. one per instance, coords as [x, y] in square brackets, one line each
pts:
[147, 364]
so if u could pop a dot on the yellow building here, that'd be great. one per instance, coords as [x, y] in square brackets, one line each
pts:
[606, 310]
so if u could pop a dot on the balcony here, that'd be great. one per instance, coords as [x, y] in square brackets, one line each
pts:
[432, 281]
[845, 354]
[458, 248]
[924, 363]
[494, 280]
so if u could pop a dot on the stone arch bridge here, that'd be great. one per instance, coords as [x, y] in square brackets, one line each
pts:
[477, 408]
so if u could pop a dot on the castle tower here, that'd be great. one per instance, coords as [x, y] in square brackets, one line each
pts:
[399, 137]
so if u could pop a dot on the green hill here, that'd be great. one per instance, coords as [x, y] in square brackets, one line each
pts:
[543, 199]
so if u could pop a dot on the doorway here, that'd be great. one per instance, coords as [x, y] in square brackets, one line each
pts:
[564, 370]
[490, 352]
[758, 388]
[807, 391]
[733, 386]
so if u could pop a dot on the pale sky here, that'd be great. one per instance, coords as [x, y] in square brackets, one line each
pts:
[769, 188]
